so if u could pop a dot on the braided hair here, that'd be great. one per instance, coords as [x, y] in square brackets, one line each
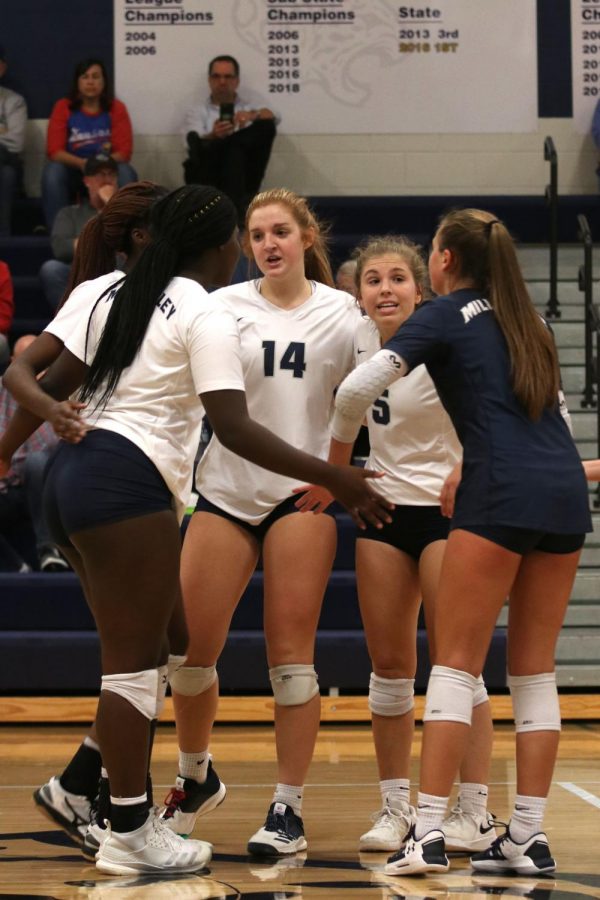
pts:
[109, 232]
[183, 226]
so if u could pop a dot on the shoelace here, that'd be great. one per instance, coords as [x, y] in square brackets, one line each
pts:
[496, 847]
[389, 815]
[173, 800]
[94, 810]
[164, 836]
[275, 822]
[456, 813]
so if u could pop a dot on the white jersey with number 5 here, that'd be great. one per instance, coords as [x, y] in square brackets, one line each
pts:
[412, 438]
[292, 359]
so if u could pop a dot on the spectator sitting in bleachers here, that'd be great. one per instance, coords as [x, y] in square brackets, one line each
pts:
[13, 116]
[7, 309]
[90, 121]
[21, 519]
[100, 179]
[228, 137]
[345, 277]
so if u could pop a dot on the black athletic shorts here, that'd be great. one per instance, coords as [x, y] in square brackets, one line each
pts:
[105, 478]
[259, 531]
[411, 530]
[524, 540]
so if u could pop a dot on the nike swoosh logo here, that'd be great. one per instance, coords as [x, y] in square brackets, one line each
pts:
[483, 830]
[361, 351]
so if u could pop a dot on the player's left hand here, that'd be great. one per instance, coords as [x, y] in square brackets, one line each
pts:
[314, 498]
[449, 489]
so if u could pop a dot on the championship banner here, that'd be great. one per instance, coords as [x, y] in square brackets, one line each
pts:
[335, 66]
[585, 30]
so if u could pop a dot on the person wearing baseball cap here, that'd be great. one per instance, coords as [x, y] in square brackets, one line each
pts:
[13, 118]
[100, 175]
[100, 163]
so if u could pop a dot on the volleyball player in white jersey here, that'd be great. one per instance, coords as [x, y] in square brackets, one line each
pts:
[120, 229]
[413, 442]
[115, 490]
[296, 339]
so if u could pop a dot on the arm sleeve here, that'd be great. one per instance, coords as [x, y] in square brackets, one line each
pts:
[360, 389]
[56, 138]
[121, 131]
[16, 121]
[7, 306]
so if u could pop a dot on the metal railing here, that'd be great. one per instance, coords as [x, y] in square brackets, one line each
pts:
[585, 280]
[592, 333]
[551, 194]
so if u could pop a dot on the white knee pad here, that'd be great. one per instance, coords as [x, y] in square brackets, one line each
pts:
[163, 684]
[480, 694]
[294, 684]
[535, 702]
[138, 688]
[449, 696]
[174, 662]
[391, 696]
[193, 680]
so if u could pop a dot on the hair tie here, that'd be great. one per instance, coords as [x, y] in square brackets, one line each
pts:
[489, 224]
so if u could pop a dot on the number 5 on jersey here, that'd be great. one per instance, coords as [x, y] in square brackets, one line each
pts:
[292, 358]
[381, 410]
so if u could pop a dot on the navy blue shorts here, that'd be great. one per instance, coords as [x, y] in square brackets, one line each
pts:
[411, 530]
[524, 540]
[285, 508]
[106, 478]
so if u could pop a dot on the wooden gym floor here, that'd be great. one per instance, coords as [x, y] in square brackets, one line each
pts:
[37, 860]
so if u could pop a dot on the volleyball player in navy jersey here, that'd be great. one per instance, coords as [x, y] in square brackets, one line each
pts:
[119, 483]
[413, 442]
[518, 528]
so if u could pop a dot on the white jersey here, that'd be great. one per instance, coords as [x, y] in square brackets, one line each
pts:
[411, 436]
[79, 304]
[191, 347]
[293, 359]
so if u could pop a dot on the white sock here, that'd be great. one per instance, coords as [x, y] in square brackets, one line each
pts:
[472, 798]
[395, 792]
[194, 765]
[291, 795]
[129, 801]
[431, 811]
[527, 817]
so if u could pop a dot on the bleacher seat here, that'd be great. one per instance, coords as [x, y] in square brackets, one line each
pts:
[48, 643]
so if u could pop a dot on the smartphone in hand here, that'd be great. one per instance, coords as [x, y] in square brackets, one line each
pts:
[226, 112]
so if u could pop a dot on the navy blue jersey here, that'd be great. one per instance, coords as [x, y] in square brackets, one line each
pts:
[515, 472]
